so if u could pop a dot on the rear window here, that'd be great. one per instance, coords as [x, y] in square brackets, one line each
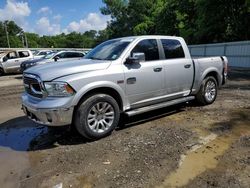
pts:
[172, 49]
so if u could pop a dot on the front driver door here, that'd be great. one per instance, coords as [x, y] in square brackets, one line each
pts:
[10, 64]
[144, 80]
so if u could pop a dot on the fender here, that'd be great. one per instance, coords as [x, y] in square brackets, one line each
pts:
[100, 84]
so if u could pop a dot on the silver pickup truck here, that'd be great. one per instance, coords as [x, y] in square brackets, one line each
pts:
[130, 75]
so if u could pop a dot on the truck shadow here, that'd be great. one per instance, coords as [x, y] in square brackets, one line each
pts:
[239, 75]
[21, 134]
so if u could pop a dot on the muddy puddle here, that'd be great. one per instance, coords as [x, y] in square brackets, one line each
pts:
[20, 139]
[15, 158]
[204, 154]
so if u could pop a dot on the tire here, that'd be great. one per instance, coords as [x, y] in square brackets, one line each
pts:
[1, 72]
[97, 116]
[208, 91]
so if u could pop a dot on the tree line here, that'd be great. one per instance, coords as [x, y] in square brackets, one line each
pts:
[18, 38]
[197, 21]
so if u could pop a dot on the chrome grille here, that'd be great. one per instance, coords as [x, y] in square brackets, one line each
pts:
[32, 85]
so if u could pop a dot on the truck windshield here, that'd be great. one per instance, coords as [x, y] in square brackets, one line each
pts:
[110, 50]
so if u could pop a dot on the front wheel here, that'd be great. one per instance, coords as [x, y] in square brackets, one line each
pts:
[1, 72]
[208, 91]
[97, 116]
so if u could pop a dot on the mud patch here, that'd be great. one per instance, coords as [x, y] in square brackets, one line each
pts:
[205, 154]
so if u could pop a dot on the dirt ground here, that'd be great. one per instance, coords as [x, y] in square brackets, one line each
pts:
[182, 146]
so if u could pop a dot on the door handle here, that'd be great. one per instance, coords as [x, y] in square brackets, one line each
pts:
[158, 69]
[131, 80]
[187, 66]
[16, 60]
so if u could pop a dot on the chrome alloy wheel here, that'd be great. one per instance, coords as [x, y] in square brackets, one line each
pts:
[210, 90]
[100, 117]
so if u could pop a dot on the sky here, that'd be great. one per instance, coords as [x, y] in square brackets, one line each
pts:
[51, 17]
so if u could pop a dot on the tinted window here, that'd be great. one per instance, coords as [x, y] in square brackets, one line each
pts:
[62, 55]
[23, 54]
[172, 49]
[42, 53]
[73, 55]
[149, 48]
[79, 54]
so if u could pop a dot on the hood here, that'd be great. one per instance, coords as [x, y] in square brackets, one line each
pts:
[51, 71]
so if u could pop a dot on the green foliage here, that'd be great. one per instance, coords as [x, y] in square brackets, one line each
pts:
[198, 21]
[13, 32]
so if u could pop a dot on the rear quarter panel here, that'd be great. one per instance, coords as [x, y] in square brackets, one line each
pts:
[204, 66]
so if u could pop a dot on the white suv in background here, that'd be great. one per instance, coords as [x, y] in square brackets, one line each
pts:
[10, 61]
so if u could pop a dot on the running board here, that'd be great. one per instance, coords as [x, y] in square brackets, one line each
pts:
[159, 105]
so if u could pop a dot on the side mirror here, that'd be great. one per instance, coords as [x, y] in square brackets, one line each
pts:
[136, 58]
[5, 59]
[56, 58]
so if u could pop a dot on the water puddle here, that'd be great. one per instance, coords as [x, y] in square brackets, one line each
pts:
[19, 139]
[14, 142]
[203, 155]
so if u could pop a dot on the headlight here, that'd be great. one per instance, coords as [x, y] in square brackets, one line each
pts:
[58, 89]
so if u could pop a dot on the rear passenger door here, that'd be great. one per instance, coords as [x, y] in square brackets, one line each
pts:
[144, 80]
[178, 70]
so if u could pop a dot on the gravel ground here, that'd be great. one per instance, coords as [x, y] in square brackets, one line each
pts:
[185, 145]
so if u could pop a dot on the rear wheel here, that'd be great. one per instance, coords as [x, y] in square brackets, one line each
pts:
[97, 116]
[208, 91]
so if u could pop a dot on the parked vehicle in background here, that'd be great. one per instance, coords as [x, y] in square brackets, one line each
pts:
[41, 53]
[10, 61]
[132, 75]
[53, 57]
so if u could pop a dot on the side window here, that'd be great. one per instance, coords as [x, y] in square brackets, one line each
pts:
[62, 55]
[149, 48]
[80, 54]
[23, 54]
[12, 55]
[42, 53]
[172, 48]
[73, 55]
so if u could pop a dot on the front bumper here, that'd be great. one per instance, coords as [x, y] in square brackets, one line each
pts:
[51, 112]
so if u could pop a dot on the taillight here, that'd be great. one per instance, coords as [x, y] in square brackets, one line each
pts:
[225, 65]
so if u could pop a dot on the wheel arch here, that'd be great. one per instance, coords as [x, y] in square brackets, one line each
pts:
[107, 88]
[211, 72]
